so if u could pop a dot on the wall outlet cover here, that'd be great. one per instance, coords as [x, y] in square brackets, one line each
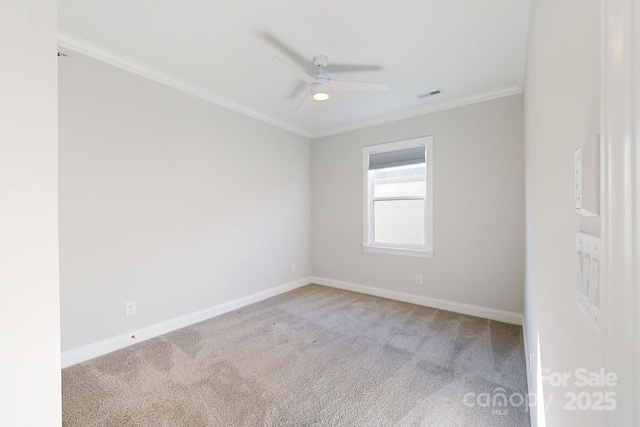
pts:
[130, 308]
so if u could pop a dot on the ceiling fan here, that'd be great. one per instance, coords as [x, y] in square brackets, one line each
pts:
[321, 85]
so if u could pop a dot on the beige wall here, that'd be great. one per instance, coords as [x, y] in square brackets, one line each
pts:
[29, 287]
[170, 201]
[182, 205]
[478, 207]
[562, 110]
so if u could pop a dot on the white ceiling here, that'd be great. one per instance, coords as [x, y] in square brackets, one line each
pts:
[222, 50]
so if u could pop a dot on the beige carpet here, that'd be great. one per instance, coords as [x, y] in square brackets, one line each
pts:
[315, 356]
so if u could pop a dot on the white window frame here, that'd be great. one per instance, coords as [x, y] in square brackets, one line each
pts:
[368, 244]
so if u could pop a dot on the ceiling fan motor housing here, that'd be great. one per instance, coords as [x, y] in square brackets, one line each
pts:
[321, 84]
[320, 90]
[320, 60]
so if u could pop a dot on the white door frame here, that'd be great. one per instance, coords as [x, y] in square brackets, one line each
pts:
[620, 67]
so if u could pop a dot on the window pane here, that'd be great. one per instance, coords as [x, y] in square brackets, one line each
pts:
[401, 181]
[398, 222]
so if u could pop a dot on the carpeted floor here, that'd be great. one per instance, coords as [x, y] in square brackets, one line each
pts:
[315, 356]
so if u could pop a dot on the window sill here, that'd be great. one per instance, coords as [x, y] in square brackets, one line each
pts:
[397, 251]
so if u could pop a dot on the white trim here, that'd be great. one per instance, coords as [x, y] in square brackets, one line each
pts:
[161, 77]
[85, 48]
[528, 367]
[90, 351]
[620, 231]
[425, 251]
[397, 251]
[108, 345]
[457, 307]
[426, 109]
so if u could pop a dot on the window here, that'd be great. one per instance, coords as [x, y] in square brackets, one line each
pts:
[398, 199]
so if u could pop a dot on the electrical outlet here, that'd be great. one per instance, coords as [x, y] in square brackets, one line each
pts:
[293, 268]
[130, 308]
[418, 279]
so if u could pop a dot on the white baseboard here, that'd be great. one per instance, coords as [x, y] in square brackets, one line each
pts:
[99, 348]
[90, 351]
[457, 307]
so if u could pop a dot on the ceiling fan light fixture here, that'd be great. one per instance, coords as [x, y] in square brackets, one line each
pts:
[320, 96]
[320, 91]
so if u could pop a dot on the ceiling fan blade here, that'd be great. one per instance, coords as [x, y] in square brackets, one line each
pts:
[304, 101]
[295, 70]
[352, 68]
[295, 91]
[345, 86]
[271, 39]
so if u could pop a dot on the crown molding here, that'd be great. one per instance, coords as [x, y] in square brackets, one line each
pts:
[127, 64]
[432, 108]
